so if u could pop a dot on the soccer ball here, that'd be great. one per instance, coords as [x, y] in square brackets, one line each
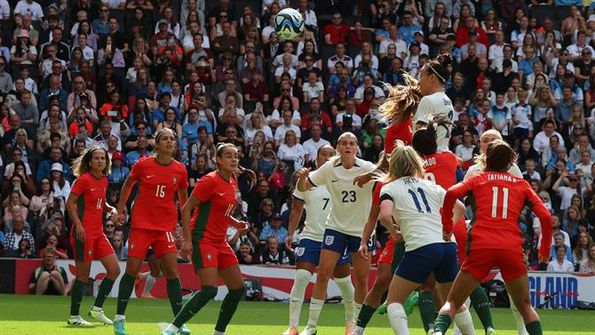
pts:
[288, 24]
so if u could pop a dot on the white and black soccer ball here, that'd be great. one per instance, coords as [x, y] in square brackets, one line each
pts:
[289, 24]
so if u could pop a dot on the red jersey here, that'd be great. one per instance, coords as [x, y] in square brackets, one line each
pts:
[91, 193]
[217, 198]
[398, 131]
[154, 207]
[441, 168]
[497, 199]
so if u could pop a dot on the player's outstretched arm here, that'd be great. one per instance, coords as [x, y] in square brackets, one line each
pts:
[294, 219]
[124, 194]
[187, 208]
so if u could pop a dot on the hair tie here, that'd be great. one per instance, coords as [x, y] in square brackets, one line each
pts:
[436, 72]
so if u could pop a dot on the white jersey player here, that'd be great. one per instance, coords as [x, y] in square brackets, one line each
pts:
[317, 203]
[415, 203]
[344, 225]
[435, 103]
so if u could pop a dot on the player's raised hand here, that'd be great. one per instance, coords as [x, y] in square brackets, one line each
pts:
[186, 250]
[303, 173]
[363, 251]
[242, 226]
[362, 179]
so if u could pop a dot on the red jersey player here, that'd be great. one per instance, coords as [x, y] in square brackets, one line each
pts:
[399, 108]
[86, 206]
[496, 239]
[154, 216]
[214, 198]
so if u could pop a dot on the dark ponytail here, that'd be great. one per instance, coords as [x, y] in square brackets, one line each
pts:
[424, 140]
[439, 66]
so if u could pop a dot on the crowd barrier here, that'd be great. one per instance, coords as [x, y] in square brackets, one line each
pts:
[550, 290]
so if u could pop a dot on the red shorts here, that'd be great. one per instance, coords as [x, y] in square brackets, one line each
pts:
[479, 263]
[387, 253]
[460, 232]
[139, 241]
[91, 249]
[211, 255]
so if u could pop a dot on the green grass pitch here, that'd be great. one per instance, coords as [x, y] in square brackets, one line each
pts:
[20, 315]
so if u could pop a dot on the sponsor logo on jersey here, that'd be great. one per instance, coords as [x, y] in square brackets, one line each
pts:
[329, 240]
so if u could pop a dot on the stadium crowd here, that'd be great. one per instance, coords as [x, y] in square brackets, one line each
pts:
[80, 73]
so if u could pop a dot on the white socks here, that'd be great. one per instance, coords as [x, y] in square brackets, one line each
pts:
[455, 330]
[398, 319]
[464, 322]
[217, 333]
[518, 318]
[119, 317]
[150, 282]
[315, 308]
[296, 296]
[358, 309]
[347, 293]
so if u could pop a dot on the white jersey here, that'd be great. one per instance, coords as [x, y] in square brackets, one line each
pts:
[437, 104]
[351, 203]
[318, 206]
[417, 210]
[474, 169]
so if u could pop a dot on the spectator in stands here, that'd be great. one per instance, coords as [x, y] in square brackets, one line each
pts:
[560, 263]
[45, 167]
[14, 237]
[245, 254]
[49, 279]
[588, 265]
[272, 254]
[336, 32]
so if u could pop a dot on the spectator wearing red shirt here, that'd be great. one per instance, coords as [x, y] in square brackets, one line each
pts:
[315, 113]
[462, 35]
[336, 32]
[256, 89]
[114, 108]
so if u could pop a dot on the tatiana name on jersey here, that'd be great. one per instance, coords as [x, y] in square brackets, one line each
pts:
[502, 177]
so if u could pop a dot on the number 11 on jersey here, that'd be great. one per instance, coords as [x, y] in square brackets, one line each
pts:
[495, 193]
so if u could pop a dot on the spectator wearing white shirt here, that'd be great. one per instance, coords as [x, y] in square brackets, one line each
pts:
[308, 15]
[393, 38]
[313, 88]
[286, 67]
[560, 264]
[496, 50]
[4, 9]
[316, 142]
[29, 7]
[542, 139]
[339, 57]
[356, 122]
[286, 126]
[576, 49]
[368, 83]
[276, 118]
[292, 151]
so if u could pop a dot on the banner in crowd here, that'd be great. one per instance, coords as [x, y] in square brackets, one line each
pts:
[559, 290]
[549, 290]
[275, 281]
